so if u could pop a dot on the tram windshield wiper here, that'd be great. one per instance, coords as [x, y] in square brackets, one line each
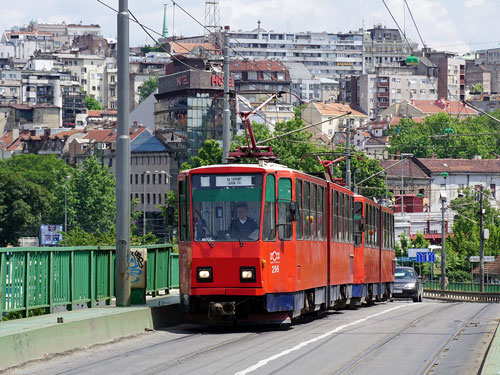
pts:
[203, 228]
[237, 230]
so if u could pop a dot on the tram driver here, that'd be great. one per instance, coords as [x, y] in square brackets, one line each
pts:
[243, 225]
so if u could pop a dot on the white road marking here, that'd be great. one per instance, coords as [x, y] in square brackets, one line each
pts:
[321, 337]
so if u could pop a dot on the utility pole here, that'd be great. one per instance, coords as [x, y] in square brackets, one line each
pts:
[481, 240]
[443, 244]
[226, 130]
[348, 153]
[402, 185]
[122, 269]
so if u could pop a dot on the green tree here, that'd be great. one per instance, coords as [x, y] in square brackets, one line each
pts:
[92, 103]
[420, 242]
[22, 206]
[91, 198]
[210, 153]
[148, 87]
[415, 137]
[465, 240]
[49, 173]
[477, 88]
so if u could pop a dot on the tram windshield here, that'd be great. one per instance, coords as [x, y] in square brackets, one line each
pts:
[226, 207]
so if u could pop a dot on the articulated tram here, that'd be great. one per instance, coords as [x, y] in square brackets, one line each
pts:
[266, 243]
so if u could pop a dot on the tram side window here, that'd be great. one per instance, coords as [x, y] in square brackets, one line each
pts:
[392, 232]
[368, 226]
[346, 219]
[184, 217]
[314, 213]
[182, 212]
[349, 219]
[332, 215]
[321, 190]
[336, 216]
[307, 211]
[376, 228]
[269, 219]
[299, 226]
[285, 223]
[358, 218]
[341, 218]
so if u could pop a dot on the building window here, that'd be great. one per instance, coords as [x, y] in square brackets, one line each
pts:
[492, 190]
[252, 75]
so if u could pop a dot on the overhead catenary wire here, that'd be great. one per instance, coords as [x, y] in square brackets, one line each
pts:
[145, 29]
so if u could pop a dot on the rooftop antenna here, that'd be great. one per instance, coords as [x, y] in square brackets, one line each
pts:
[212, 20]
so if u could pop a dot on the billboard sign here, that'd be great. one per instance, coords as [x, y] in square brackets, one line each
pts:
[50, 234]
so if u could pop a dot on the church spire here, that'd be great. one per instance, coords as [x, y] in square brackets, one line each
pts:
[164, 32]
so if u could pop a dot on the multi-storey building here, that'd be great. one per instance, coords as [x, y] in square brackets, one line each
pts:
[379, 91]
[185, 107]
[324, 54]
[10, 91]
[384, 47]
[451, 79]
[261, 77]
[89, 69]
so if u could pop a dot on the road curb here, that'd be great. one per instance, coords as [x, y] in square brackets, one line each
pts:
[491, 364]
[33, 338]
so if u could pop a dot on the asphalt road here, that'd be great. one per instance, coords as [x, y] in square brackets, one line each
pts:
[387, 338]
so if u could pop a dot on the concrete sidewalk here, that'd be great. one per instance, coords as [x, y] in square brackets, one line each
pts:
[492, 363]
[27, 339]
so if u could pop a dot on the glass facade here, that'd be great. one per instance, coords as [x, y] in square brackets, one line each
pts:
[194, 117]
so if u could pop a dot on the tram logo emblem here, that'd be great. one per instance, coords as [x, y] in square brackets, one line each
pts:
[274, 257]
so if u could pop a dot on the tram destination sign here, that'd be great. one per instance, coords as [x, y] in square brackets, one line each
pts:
[225, 181]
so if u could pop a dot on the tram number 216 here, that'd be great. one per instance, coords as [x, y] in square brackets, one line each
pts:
[276, 268]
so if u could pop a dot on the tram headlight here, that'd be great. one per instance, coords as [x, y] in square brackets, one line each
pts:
[247, 274]
[204, 274]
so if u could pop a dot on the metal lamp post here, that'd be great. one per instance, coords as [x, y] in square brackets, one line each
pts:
[144, 202]
[66, 203]
[356, 171]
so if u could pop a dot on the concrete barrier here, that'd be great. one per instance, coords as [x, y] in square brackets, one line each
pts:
[33, 338]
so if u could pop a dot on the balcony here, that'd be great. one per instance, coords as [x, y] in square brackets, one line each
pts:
[383, 104]
[383, 83]
[383, 94]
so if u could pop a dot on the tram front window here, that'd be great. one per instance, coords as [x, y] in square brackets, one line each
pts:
[226, 207]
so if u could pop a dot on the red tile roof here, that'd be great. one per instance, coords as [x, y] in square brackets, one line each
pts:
[337, 109]
[436, 106]
[109, 135]
[257, 65]
[461, 165]
[185, 47]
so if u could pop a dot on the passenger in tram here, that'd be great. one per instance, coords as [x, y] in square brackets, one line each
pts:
[243, 226]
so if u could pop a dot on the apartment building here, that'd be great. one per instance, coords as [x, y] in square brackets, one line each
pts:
[383, 47]
[379, 91]
[89, 69]
[330, 55]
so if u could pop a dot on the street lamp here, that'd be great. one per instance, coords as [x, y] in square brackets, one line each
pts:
[356, 171]
[66, 203]
[144, 202]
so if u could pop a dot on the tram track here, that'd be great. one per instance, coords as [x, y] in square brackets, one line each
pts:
[427, 369]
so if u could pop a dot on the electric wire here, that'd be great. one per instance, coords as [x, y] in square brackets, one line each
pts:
[145, 29]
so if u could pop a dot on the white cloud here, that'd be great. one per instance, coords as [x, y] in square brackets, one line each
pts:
[473, 3]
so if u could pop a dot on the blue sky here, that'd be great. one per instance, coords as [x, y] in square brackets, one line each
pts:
[455, 25]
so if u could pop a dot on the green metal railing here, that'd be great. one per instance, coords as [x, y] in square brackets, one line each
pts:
[463, 287]
[46, 277]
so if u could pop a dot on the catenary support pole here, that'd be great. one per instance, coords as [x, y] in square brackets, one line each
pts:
[226, 130]
[481, 240]
[443, 244]
[348, 153]
[122, 269]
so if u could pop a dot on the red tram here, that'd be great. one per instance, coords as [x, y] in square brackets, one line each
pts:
[265, 242]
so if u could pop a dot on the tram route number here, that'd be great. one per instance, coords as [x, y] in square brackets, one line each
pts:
[276, 269]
